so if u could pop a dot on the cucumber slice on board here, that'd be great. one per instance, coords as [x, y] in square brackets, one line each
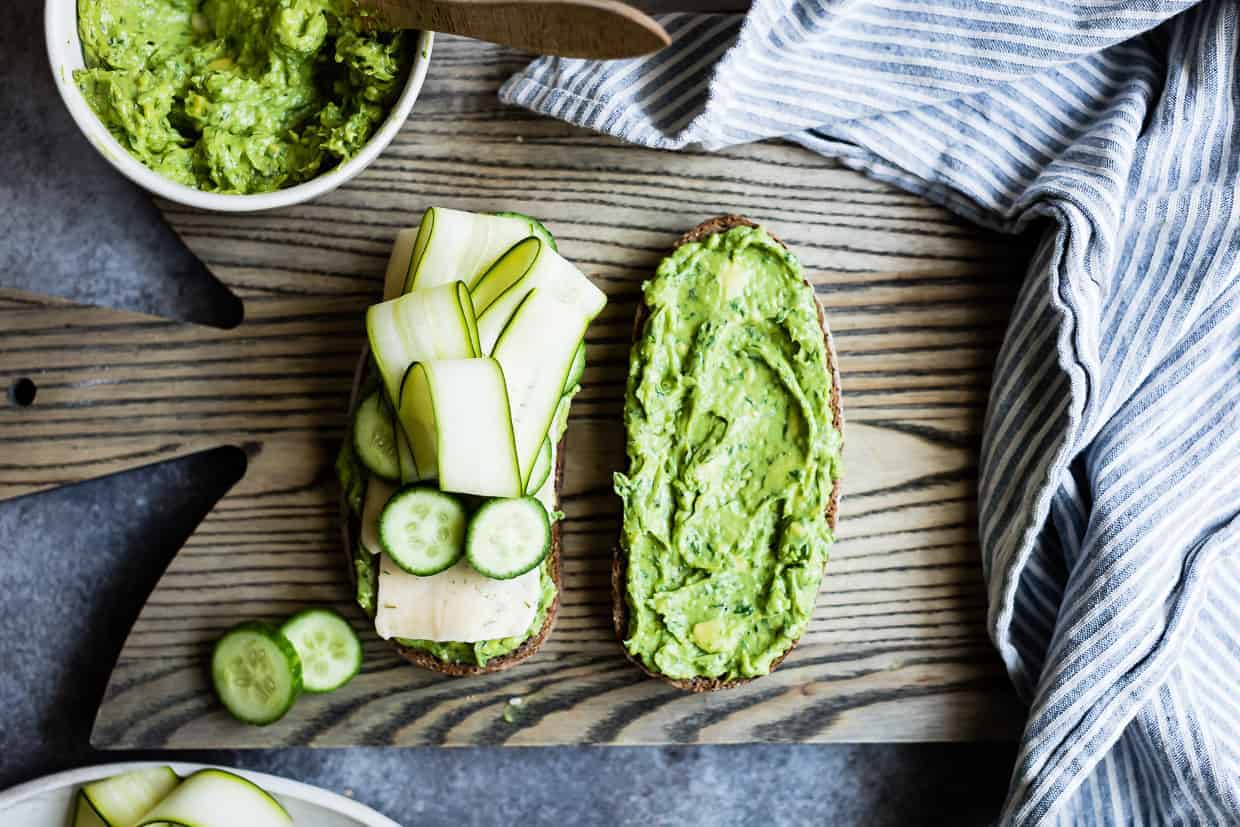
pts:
[455, 245]
[507, 538]
[423, 530]
[256, 673]
[330, 653]
[378, 492]
[551, 274]
[122, 800]
[536, 227]
[536, 351]
[577, 370]
[398, 263]
[464, 404]
[374, 437]
[542, 468]
[216, 798]
[508, 270]
[429, 324]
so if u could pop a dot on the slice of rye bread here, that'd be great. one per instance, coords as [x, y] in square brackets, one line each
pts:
[619, 566]
[352, 536]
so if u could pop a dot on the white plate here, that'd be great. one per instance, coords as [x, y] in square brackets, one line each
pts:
[45, 802]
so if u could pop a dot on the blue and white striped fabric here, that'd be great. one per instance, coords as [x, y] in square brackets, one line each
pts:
[1110, 489]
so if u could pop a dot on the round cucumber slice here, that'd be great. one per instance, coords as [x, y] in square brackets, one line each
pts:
[217, 798]
[328, 647]
[423, 530]
[256, 673]
[374, 437]
[507, 538]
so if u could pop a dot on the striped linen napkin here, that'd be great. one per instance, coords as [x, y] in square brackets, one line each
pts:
[1110, 478]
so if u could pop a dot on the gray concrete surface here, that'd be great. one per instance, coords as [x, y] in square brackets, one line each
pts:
[75, 565]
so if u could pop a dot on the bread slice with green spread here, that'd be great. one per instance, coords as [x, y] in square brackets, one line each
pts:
[734, 432]
[453, 465]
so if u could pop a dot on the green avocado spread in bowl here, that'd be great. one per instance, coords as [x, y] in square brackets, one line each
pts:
[238, 96]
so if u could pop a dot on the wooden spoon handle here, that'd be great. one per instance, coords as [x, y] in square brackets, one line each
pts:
[596, 29]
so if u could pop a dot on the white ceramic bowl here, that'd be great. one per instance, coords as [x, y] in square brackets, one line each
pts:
[45, 802]
[64, 49]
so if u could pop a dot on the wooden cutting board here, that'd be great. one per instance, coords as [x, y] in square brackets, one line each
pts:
[917, 301]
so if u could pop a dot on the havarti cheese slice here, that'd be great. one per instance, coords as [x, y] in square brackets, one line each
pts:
[458, 604]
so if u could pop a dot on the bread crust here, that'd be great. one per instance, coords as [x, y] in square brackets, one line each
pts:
[351, 528]
[619, 566]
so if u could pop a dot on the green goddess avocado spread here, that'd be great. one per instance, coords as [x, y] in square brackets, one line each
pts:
[238, 96]
[733, 455]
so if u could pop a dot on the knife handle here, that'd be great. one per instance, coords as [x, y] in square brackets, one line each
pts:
[595, 29]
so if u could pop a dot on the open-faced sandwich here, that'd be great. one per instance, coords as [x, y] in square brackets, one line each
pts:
[734, 434]
[452, 472]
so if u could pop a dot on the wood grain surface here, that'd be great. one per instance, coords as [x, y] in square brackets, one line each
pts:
[917, 303]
